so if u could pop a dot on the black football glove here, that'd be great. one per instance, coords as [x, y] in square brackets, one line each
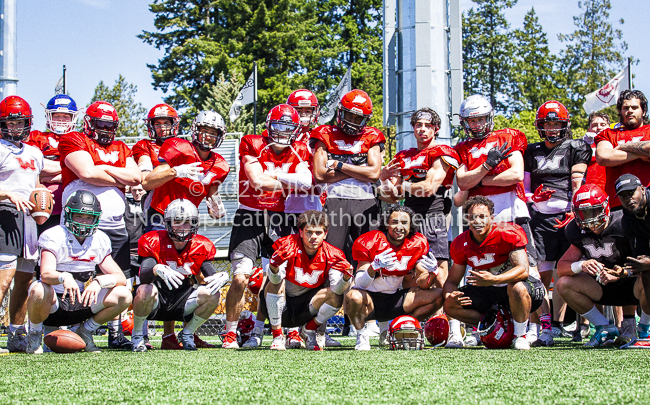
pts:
[497, 154]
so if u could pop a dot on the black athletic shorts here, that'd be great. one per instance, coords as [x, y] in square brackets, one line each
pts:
[171, 303]
[120, 251]
[249, 233]
[620, 293]
[68, 313]
[484, 298]
[349, 217]
[434, 228]
[550, 242]
[11, 229]
[296, 311]
[387, 306]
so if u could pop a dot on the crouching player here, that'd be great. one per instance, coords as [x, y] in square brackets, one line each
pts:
[69, 254]
[499, 275]
[385, 257]
[306, 282]
[169, 261]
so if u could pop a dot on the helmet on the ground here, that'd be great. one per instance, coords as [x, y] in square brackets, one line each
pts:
[405, 333]
[436, 330]
[496, 328]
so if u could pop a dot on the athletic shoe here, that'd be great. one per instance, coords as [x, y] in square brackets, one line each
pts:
[455, 342]
[202, 344]
[627, 333]
[604, 334]
[187, 340]
[520, 343]
[329, 342]
[363, 342]
[560, 332]
[138, 343]
[643, 331]
[170, 343]
[294, 341]
[119, 341]
[230, 341]
[279, 343]
[255, 340]
[533, 332]
[310, 338]
[544, 340]
[34, 342]
[383, 339]
[17, 341]
[473, 339]
[87, 337]
[146, 343]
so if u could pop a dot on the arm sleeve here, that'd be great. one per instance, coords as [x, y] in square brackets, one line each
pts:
[208, 269]
[146, 270]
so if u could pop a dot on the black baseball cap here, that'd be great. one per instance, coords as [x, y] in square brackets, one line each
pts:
[627, 182]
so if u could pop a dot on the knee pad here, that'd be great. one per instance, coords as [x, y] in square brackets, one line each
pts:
[8, 262]
[241, 264]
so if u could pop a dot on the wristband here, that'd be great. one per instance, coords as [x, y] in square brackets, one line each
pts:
[106, 281]
[486, 167]
[339, 165]
[63, 276]
[576, 267]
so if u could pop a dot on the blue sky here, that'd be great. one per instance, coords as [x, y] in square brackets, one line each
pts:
[96, 40]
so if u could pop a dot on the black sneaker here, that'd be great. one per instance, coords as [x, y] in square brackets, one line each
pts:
[119, 342]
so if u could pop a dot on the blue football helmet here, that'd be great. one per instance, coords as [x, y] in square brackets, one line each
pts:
[61, 103]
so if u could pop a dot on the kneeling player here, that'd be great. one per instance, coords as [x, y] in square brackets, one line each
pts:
[297, 291]
[169, 260]
[385, 257]
[500, 271]
[600, 279]
[69, 254]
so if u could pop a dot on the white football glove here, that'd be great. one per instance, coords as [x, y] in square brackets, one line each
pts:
[429, 263]
[189, 171]
[385, 260]
[216, 209]
[172, 278]
[216, 281]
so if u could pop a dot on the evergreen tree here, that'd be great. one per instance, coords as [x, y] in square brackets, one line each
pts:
[122, 96]
[219, 99]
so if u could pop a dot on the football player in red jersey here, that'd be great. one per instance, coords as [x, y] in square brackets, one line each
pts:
[271, 167]
[20, 166]
[96, 162]
[626, 149]
[347, 159]
[500, 273]
[306, 104]
[169, 261]
[69, 291]
[385, 256]
[306, 281]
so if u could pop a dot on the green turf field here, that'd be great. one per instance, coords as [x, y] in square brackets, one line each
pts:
[564, 374]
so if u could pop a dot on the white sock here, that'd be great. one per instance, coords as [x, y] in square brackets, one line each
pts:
[520, 327]
[383, 326]
[644, 318]
[91, 325]
[113, 325]
[594, 316]
[193, 324]
[325, 312]
[36, 327]
[12, 327]
[231, 326]
[312, 309]
[454, 327]
[259, 324]
[533, 328]
[138, 324]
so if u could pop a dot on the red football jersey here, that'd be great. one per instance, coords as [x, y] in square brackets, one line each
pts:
[306, 272]
[596, 173]
[416, 163]
[473, 154]
[147, 147]
[176, 152]
[338, 143]
[114, 154]
[493, 254]
[158, 245]
[370, 244]
[286, 162]
[638, 167]
[48, 143]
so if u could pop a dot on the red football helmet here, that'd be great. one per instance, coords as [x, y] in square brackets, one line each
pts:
[245, 328]
[100, 122]
[590, 206]
[12, 110]
[127, 324]
[405, 333]
[304, 98]
[162, 111]
[436, 330]
[553, 111]
[496, 328]
[255, 280]
[354, 112]
[283, 124]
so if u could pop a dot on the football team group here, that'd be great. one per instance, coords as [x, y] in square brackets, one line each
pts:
[572, 212]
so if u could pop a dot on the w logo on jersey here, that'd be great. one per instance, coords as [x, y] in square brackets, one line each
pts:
[607, 250]
[634, 139]
[26, 165]
[53, 142]
[410, 163]
[546, 164]
[272, 168]
[206, 178]
[476, 262]
[185, 269]
[401, 264]
[354, 147]
[111, 157]
[302, 278]
[478, 152]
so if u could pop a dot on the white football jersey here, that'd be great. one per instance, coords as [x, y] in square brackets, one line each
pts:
[19, 168]
[78, 260]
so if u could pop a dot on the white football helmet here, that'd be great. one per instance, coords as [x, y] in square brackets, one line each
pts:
[473, 107]
[208, 119]
[180, 212]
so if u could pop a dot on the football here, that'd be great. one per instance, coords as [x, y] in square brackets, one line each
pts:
[43, 205]
[64, 341]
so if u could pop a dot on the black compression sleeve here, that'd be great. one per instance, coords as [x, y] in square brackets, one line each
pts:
[208, 269]
[146, 270]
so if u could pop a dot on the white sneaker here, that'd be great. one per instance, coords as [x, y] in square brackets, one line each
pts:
[278, 343]
[363, 342]
[34, 342]
[255, 340]
[455, 342]
[520, 343]
[473, 339]
[294, 340]
[17, 341]
[533, 332]
[383, 339]
[544, 340]
[138, 343]
[560, 332]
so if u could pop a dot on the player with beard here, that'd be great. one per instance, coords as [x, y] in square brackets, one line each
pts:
[500, 273]
[553, 170]
[592, 269]
[385, 256]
